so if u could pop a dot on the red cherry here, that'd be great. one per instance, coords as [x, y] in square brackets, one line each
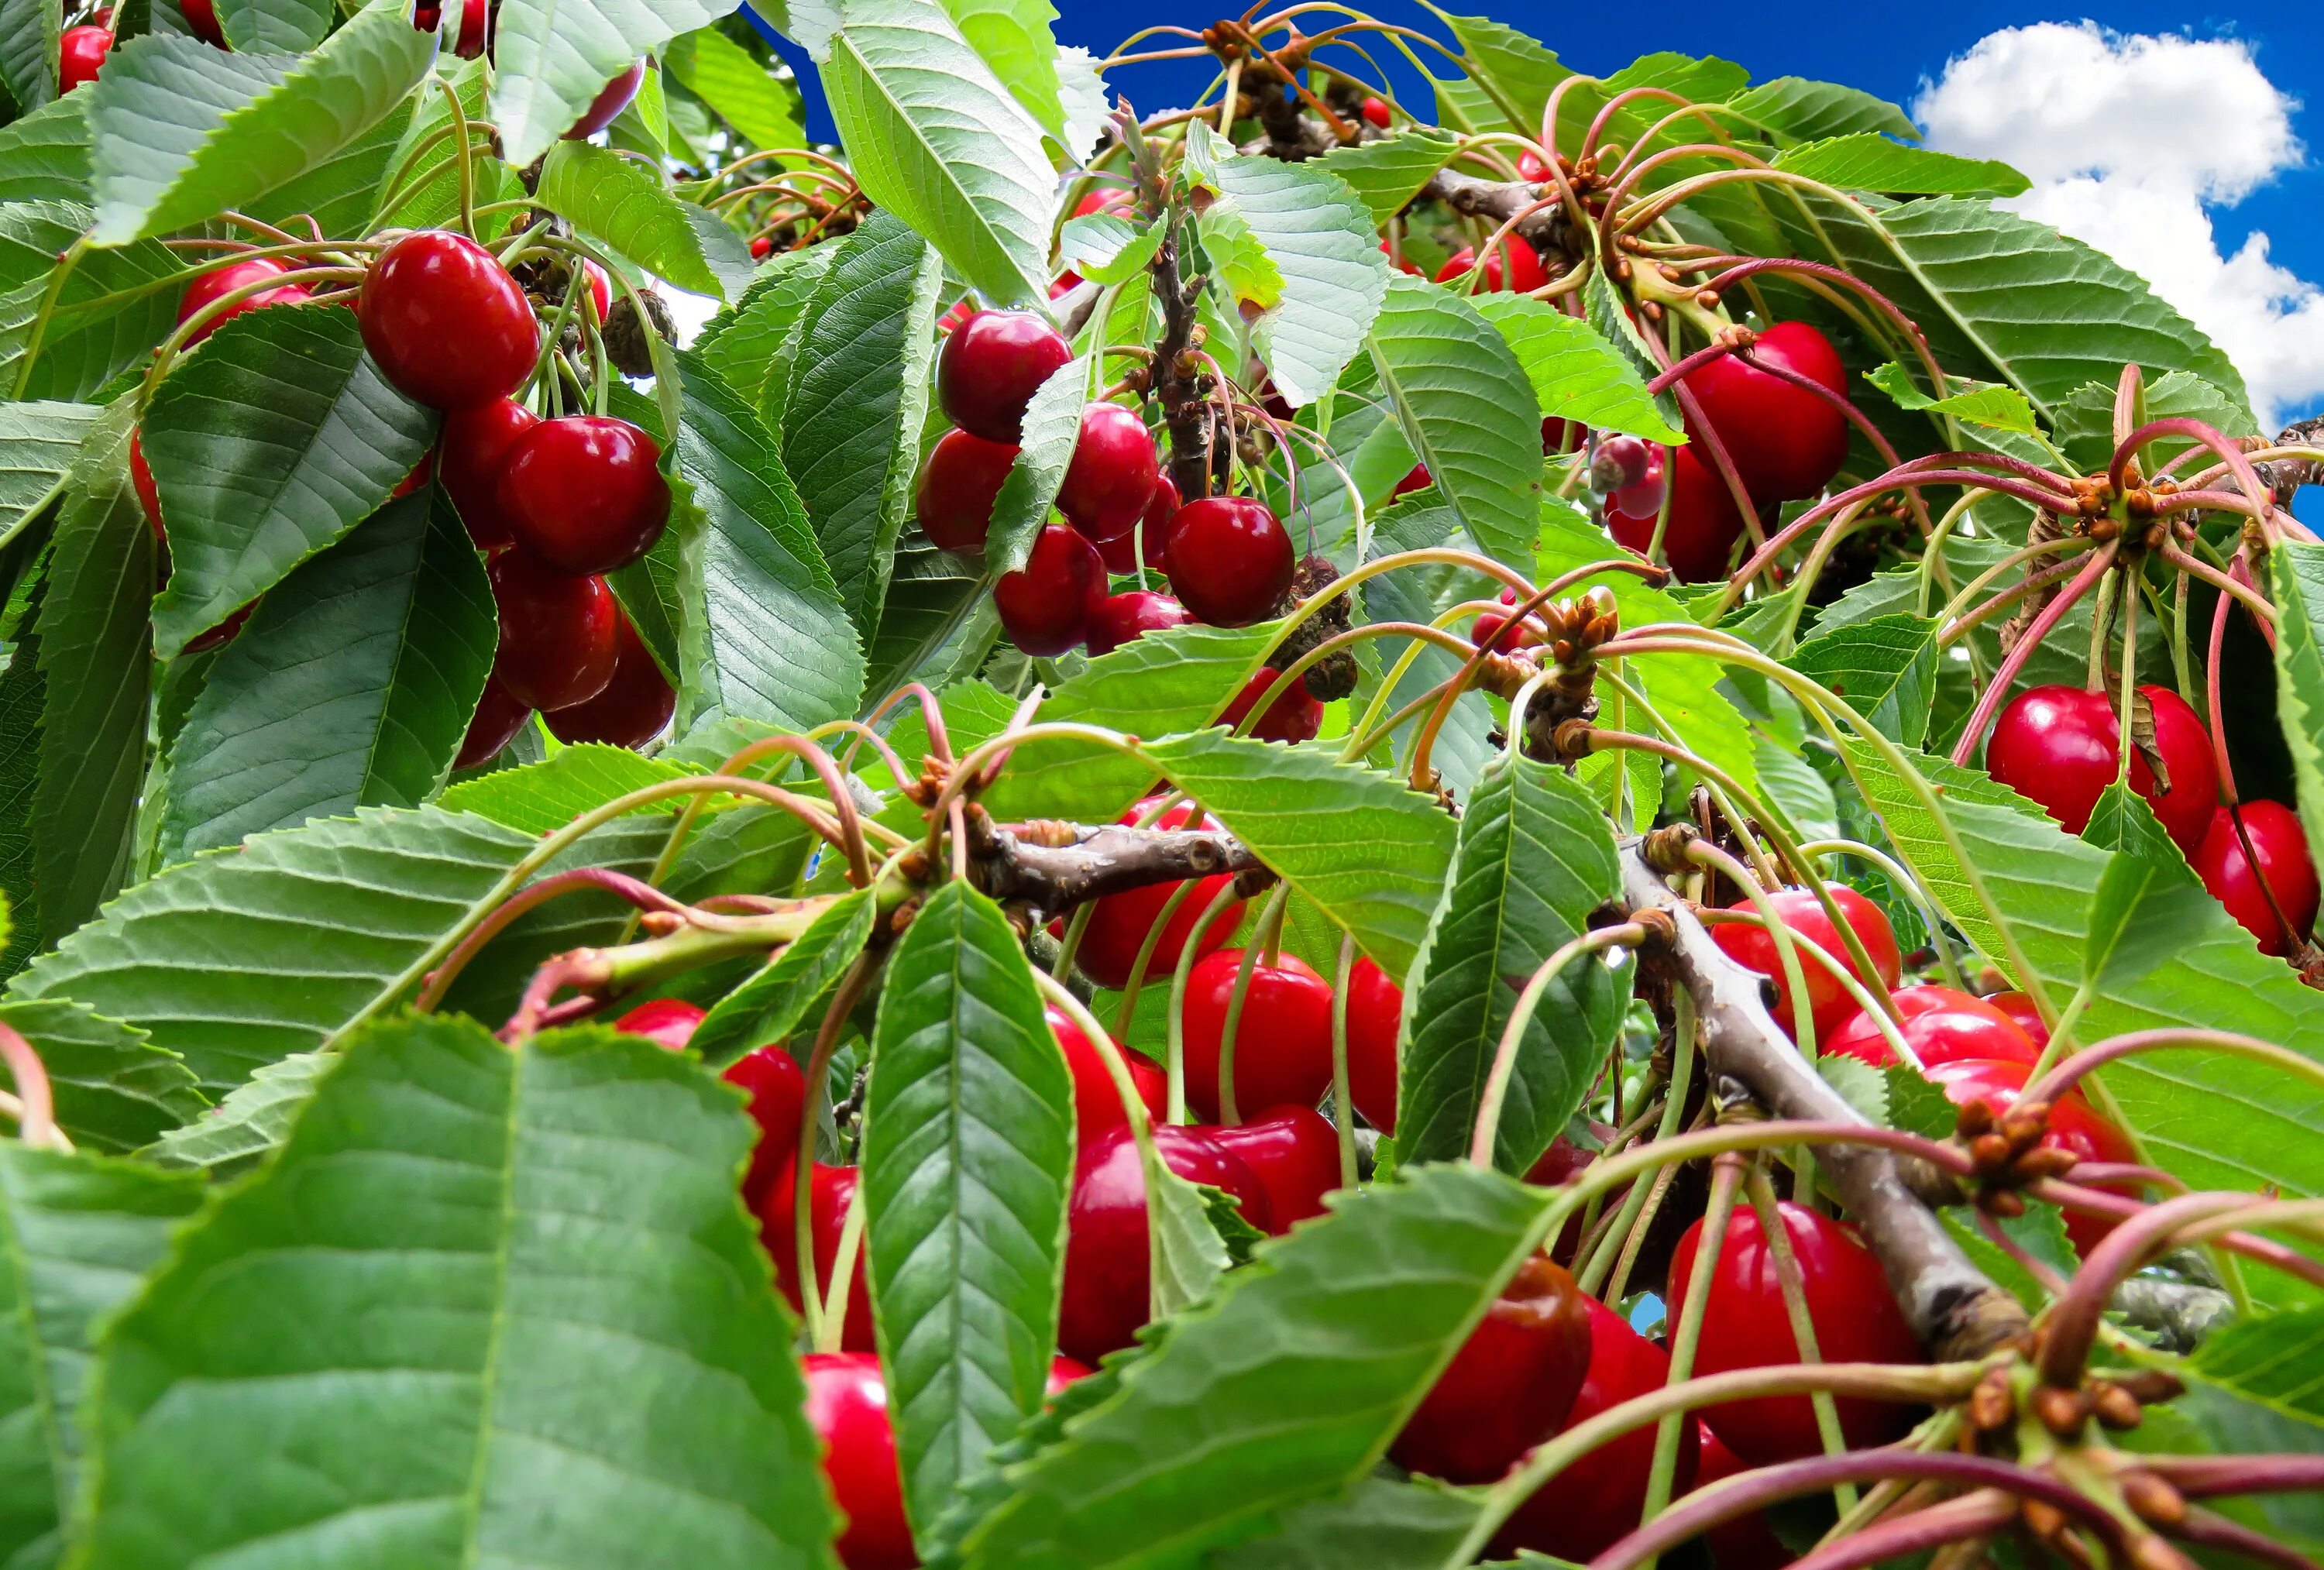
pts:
[1097, 1103]
[1940, 1025]
[1064, 1371]
[763, 246]
[1754, 949]
[1703, 522]
[478, 439]
[958, 488]
[1376, 111]
[421, 472]
[583, 494]
[2021, 1013]
[1747, 1542]
[212, 286]
[1294, 1153]
[1514, 265]
[1632, 474]
[1282, 1041]
[448, 325]
[601, 289]
[829, 1192]
[633, 708]
[1112, 476]
[1785, 441]
[1557, 435]
[1596, 1502]
[1404, 265]
[1495, 632]
[1104, 199]
[1107, 1279]
[1230, 560]
[2073, 1126]
[848, 1408]
[1415, 478]
[1531, 167]
[668, 1022]
[1508, 1387]
[777, 1087]
[1374, 1021]
[1121, 922]
[497, 720]
[2056, 746]
[2284, 863]
[141, 478]
[1152, 532]
[1047, 605]
[559, 633]
[611, 100]
[1745, 1325]
[1296, 716]
[476, 24]
[82, 56]
[201, 21]
[992, 366]
[1122, 618]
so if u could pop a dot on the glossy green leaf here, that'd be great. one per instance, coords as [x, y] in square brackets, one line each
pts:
[248, 1124]
[1187, 1254]
[1050, 430]
[937, 625]
[275, 26]
[427, 194]
[115, 1090]
[1576, 374]
[37, 444]
[2139, 912]
[44, 155]
[1509, 72]
[2295, 575]
[1790, 110]
[1982, 403]
[616, 200]
[2277, 1361]
[110, 309]
[770, 1005]
[1388, 173]
[541, 798]
[1014, 38]
[745, 94]
[31, 35]
[1105, 248]
[552, 58]
[23, 693]
[1866, 161]
[749, 344]
[1887, 669]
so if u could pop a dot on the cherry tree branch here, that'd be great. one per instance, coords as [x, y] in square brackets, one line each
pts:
[1055, 867]
[2284, 476]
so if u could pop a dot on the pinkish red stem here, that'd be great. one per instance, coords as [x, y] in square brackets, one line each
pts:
[2051, 614]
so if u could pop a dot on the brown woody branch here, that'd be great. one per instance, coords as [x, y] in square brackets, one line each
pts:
[2285, 475]
[1180, 382]
[1055, 867]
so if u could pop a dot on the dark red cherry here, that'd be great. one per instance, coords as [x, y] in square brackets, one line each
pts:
[1747, 1542]
[1496, 633]
[958, 488]
[214, 286]
[848, 1408]
[2022, 1012]
[1282, 1041]
[668, 1022]
[2283, 862]
[201, 21]
[777, 1087]
[559, 633]
[1108, 1282]
[585, 493]
[2056, 746]
[635, 705]
[141, 479]
[1785, 441]
[1939, 1025]
[476, 28]
[477, 442]
[81, 56]
[1294, 1153]
[1415, 478]
[1703, 522]
[992, 366]
[1754, 949]
[607, 105]
[1375, 1022]
[1376, 113]
[1112, 476]
[448, 325]
[1152, 533]
[1104, 199]
[1508, 1387]
[2074, 1127]
[494, 724]
[1121, 618]
[1745, 1325]
[421, 472]
[1296, 716]
[1097, 1100]
[1514, 265]
[1047, 606]
[1121, 922]
[829, 1193]
[1230, 560]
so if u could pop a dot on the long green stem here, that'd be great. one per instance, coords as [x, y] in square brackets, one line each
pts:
[1343, 1116]
[1776, 1234]
[1686, 1328]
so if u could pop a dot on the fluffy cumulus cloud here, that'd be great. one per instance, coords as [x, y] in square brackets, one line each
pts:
[2129, 142]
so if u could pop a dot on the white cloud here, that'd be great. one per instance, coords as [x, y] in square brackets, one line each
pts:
[2129, 140]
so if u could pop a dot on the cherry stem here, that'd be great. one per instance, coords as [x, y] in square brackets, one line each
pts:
[1175, 1044]
[1686, 1326]
[1487, 1136]
[2260, 498]
[2058, 1080]
[1855, 416]
[1973, 1515]
[818, 1089]
[2002, 679]
[2219, 1476]
[36, 1112]
[2214, 1530]
[2115, 1207]
[642, 895]
[1680, 368]
[1343, 1113]
[2073, 1323]
[1745, 267]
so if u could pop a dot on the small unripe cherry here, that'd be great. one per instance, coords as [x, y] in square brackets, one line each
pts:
[1047, 606]
[635, 705]
[559, 632]
[991, 367]
[1112, 476]
[2284, 863]
[225, 280]
[1121, 618]
[585, 493]
[1231, 561]
[609, 103]
[1294, 717]
[962, 479]
[446, 322]
[1630, 473]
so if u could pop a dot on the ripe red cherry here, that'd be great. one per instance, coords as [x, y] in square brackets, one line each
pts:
[1376, 112]
[1374, 1019]
[141, 478]
[1745, 1325]
[1121, 922]
[1097, 1103]
[1747, 1542]
[1107, 1279]
[632, 709]
[1704, 524]
[763, 246]
[1496, 633]
[421, 472]
[1104, 199]
[1514, 265]
[2284, 861]
[958, 488]
[201, 21]
[1508, 1387]
[1296, 716]
[559, 633]
[601, 289]
[1294, 1153]
[1415, 478]
[2021, 1013]
[1112, 476]
[1939, 1023]
[992, 366]
[1531, 167]
[583, 492]
[1754, 949]
[1153, 532]
[1596, 1502]
[1282, 1041]
[494, 724]
[2056, 746]
[668, 1022]
[848, 1408]
[1122, 618]
[476, 24]
[213, 286]
[477, 441]
[1047, 606]
[2073, 1126]
[777, 1087]
[1632, 474]
[1230, 560]
[1786, 441]
[82, 56]
[446, 322]
[829, 1193]
[607, 105]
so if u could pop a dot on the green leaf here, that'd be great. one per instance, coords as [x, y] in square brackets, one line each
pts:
[1417, 1523]
[1887, 669]
[32, 34]
[37, 444]
[2085, 421]
[430, 193]
[967, 1160]
[1106, 248]
[2138, 913]
[1576, 374]
[1370, 852]
[934, 138]
[23, 693]
[1515, 73]
[44, 155]
[1187, 1255]
[1386, 173]
[78, 1233]
[530, 1233]
[2040, 1232]
[181, 131]
[552, 58]
[749, 344]
[770, 1005]
[620, 201]
[1468, 408]
[351, 686]
[1865, 160]
[275, 26]
[115, 1091]
[2295, 578]
[541, 798]
[2277, 1361]
[110, 310]
[1789, 110]
[249, 1123]
[1050, 431]
[2122, 821]
[1983, 403]
[268, 445]
[1013, 37]
[1533, 859]
[1285, 1390]
[748, 97]
[938, 623]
